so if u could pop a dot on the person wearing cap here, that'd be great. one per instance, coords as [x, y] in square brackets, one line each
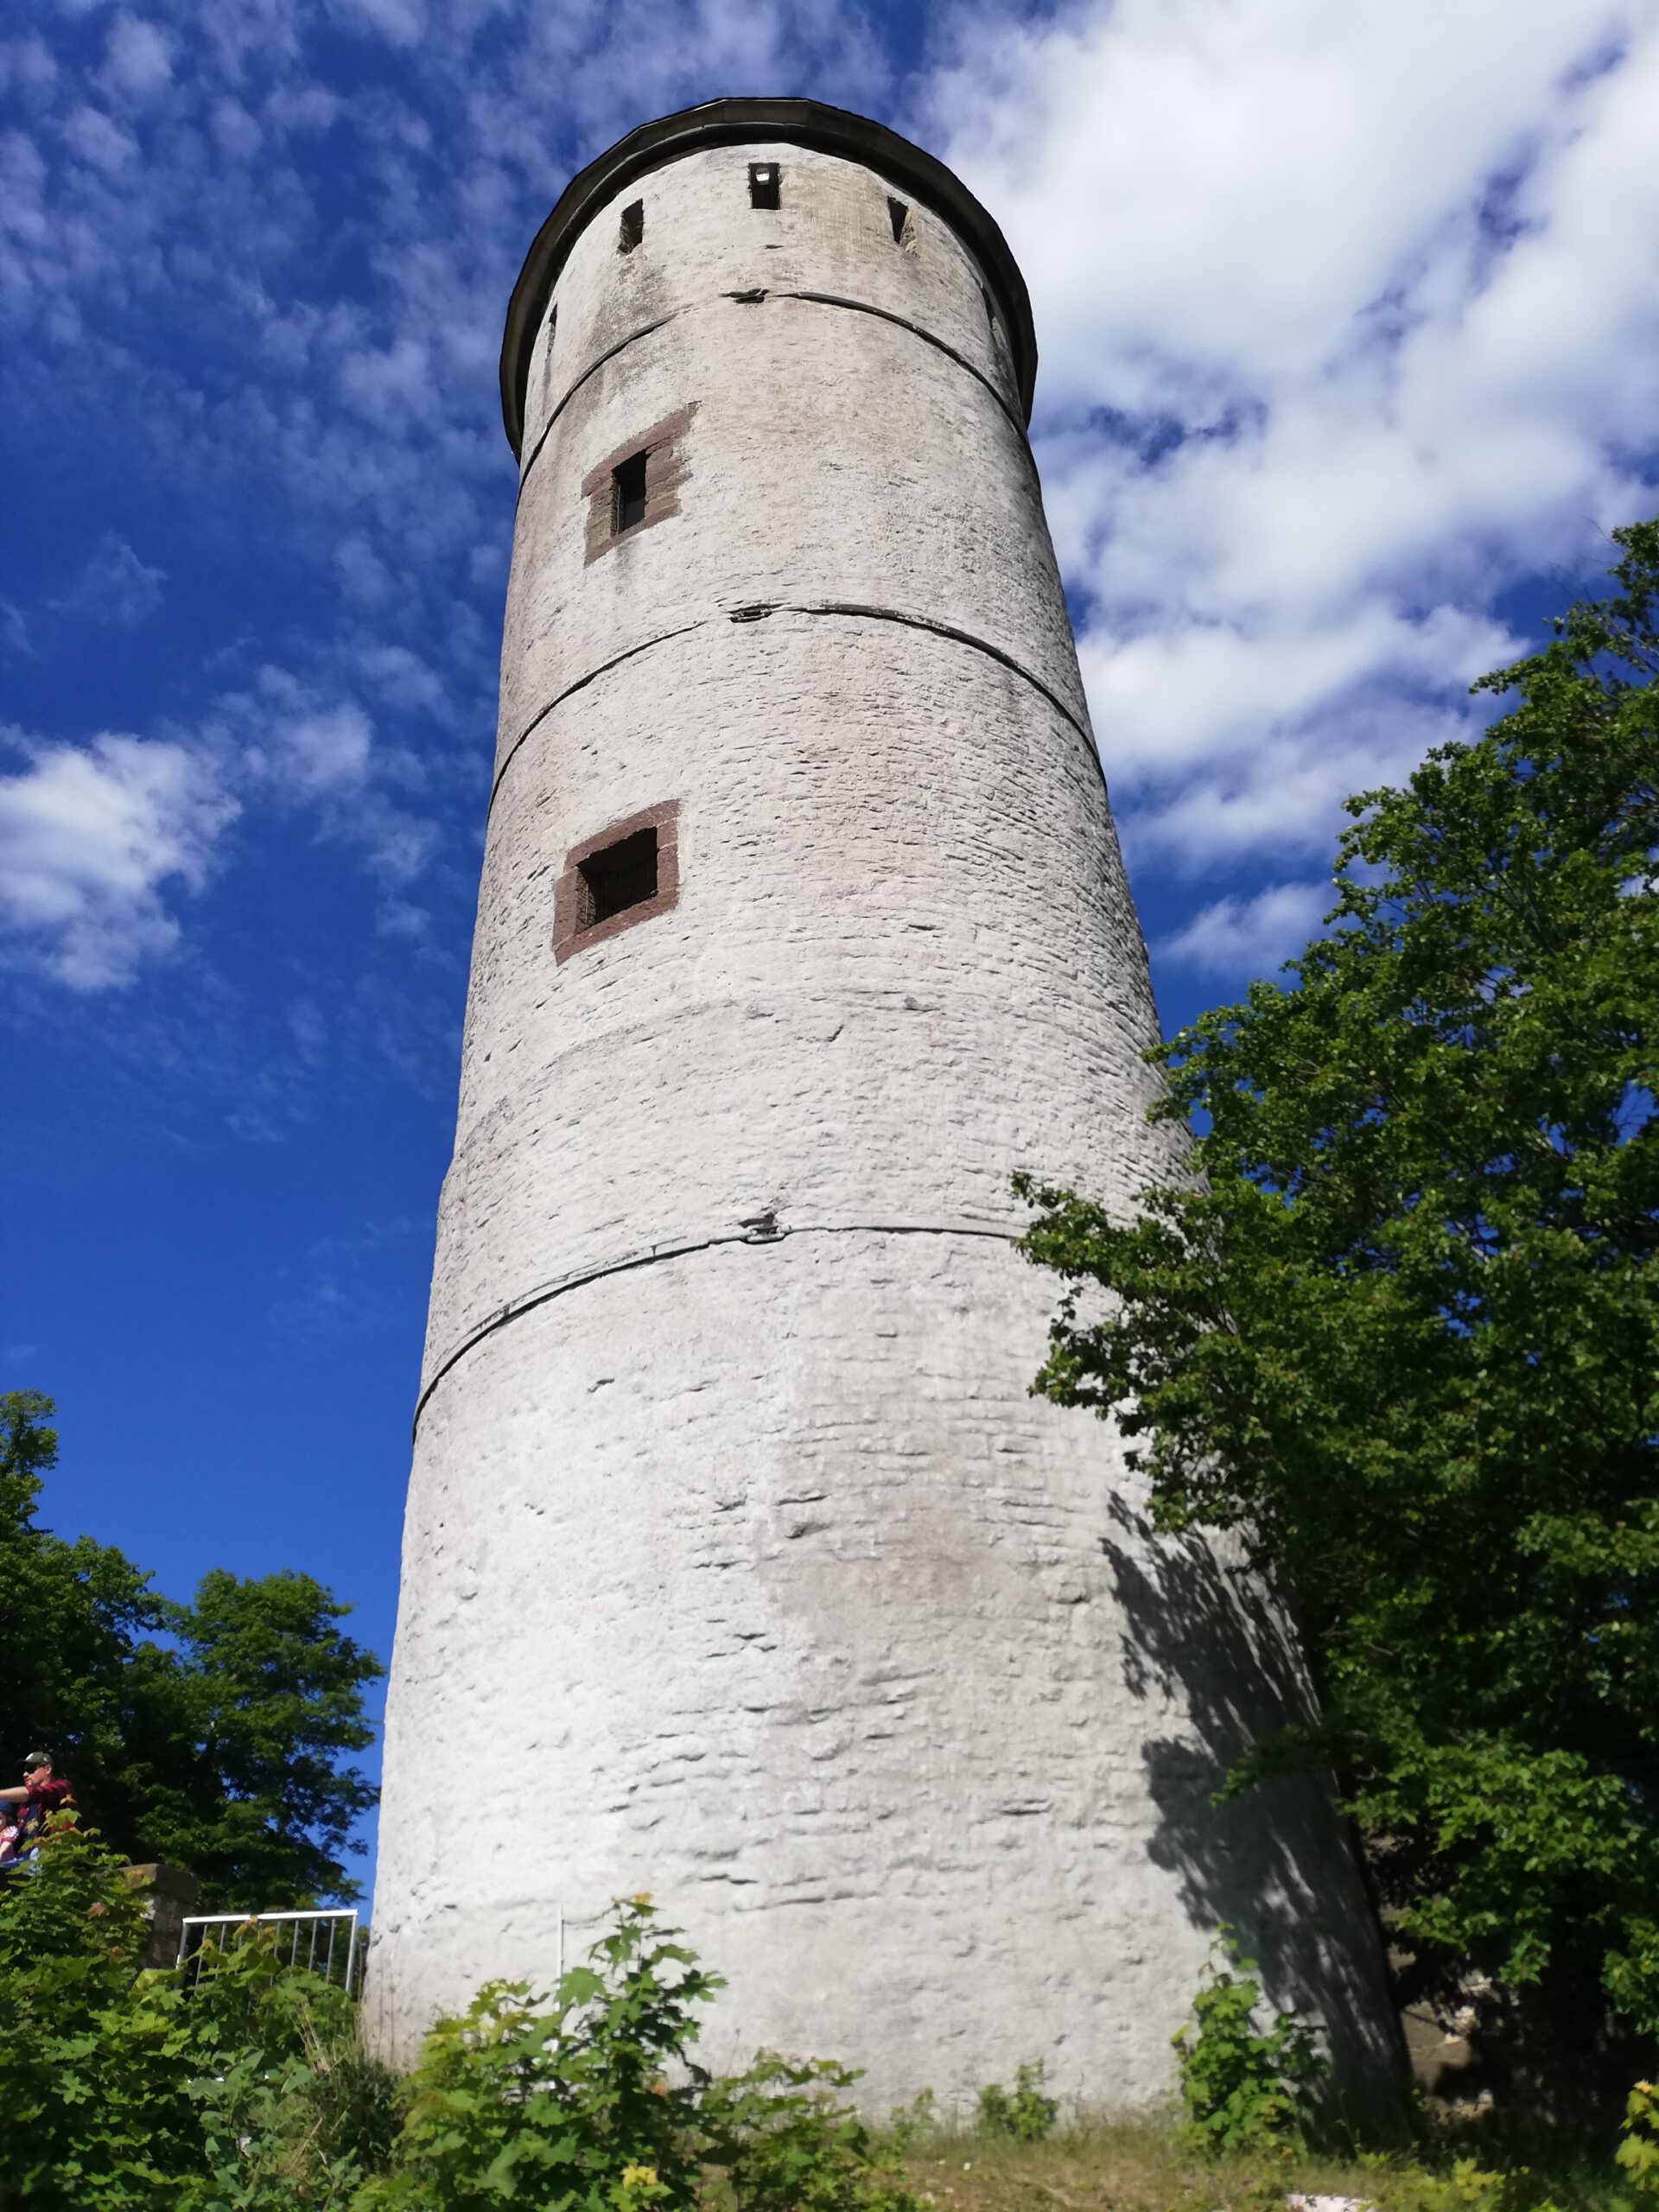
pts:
[41, 1794]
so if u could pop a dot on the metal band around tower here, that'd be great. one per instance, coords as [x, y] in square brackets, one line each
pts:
[737, 122]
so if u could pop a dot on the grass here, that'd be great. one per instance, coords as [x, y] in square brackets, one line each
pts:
[1145, 2166]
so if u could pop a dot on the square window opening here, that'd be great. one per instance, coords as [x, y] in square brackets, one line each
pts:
[634, 227]
[898, 215]
[765, 184]
[627, 493]
[622, 875]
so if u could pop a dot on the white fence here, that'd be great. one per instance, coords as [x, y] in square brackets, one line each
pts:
[326, 1942]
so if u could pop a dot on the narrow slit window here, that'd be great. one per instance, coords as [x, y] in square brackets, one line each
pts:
[991, 308]
[634, 227]
[765, 183]
[621, 875]
[898, 215]
[627, 493]
[550, 333]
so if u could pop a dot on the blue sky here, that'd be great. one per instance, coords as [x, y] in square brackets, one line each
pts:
[1348, 320]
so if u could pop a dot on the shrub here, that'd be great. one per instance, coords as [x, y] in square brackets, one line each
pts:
[593, 2104]
[121, 2092]
[291, 2109]
[1023, 2112]
[917, 2122]
[95, 2057]
[1468, 2187]
[778, 2138]
[1638, 2145]
[1243, 2091]
[569, 2106]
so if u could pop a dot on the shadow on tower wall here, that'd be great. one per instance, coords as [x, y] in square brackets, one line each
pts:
[1275, 1865]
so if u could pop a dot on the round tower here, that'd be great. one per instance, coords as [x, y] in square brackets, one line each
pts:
[738, 1565]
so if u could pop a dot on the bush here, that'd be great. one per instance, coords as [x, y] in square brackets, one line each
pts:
[291, 2109]
[121, 2091]
[915, 2123]
[593, 2104]
[1638, 2146]
[1023, 2112]
[778, 2138]
[1245, 2091]
[95, 2057]
[573, 2106]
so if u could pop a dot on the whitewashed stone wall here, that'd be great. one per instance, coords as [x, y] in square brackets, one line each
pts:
[737, 1554]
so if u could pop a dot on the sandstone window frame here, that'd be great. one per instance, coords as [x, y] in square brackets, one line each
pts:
[662, 447]
[572, 932]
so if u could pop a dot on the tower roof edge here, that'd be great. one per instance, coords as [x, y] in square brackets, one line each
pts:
[732, 122]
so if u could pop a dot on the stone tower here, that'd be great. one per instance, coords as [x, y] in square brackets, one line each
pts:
[738, 1565]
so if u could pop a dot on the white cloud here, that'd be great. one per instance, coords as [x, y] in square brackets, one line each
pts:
[1241, 937]
[138, 60]
[325, 752]
[101, 140]
[1347, 317]
[306, 748]
[1347, 326]
[293, 739]
[115, 586]
[91, 839]
[398, 22]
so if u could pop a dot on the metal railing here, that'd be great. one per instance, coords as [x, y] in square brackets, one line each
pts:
[312, 1939]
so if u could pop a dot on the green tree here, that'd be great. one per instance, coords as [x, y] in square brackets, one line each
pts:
[74, 1617]
[210, 1733]
[1402, 1329]
[266, 1693]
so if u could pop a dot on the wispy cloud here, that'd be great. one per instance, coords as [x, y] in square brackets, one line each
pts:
[1345, 316]
[290, 325]
[1251, 936]
[114, 586]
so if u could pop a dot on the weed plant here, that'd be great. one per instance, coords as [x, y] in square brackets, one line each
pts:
[1023, 2112]
[1245, 2088]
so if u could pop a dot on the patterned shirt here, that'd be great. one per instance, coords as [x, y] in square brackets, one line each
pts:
[55, 1795]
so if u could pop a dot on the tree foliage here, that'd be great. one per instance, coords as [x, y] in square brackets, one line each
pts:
[1402, 1329]
[210, 1733]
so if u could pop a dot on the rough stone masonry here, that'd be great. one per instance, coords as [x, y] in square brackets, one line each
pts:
[739, 1563]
